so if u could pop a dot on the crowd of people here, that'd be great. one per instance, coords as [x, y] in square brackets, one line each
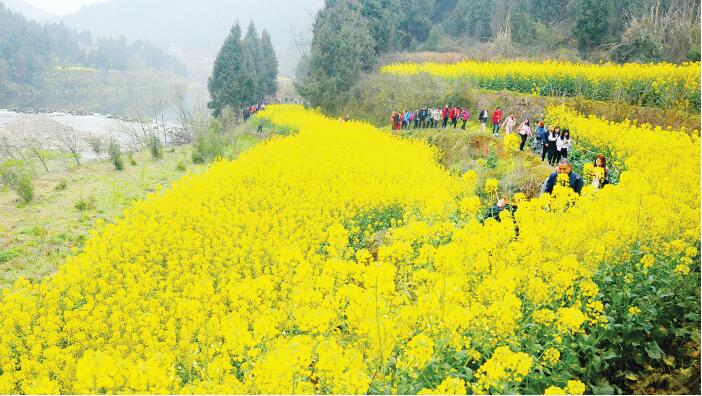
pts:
[575, 182]
[553, 142]
[249, 111]
[430, 117]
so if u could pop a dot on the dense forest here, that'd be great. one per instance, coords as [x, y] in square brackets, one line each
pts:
[245, 71]
[28, 48]
[350, 35]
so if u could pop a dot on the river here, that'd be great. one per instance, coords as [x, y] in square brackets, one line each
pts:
[14, 125]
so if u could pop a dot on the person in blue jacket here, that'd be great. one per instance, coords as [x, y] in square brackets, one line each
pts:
[575, 181]
[541, 137]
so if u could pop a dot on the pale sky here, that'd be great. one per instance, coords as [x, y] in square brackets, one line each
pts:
[61, 7]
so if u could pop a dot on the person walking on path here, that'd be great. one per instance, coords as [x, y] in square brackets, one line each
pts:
[454, 113]
[465, 116]
[436, 117]
[483, 118]
[510, 123]
[445, 116]
[562, 145]
[542, 140]
[496, 121]
[524, 133]
[552, 139]
[396, 117]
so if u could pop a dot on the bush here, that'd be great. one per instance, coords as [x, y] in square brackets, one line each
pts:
[18, 177]
[155, 147]
[181, 166]
[115, 152]
[85, 204]
[96, 145]
[62, 185]
[131, 159]
[25, 188]
[210, 144]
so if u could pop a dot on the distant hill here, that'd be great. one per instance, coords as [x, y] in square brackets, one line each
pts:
[39, 61]
[28, 10]
[197, 29]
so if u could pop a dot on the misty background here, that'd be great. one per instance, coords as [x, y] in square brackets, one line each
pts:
[191, 32]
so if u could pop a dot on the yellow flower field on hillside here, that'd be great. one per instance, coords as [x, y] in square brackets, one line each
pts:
[660, 85]
[343, 259]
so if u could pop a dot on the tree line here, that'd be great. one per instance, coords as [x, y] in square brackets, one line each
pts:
[350, 35]
[28, 48]
[245, 71]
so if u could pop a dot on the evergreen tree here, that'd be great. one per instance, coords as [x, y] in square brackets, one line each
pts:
[342, 47]
[591, 24]
[251, 73]
[225, 84]
[269, 66]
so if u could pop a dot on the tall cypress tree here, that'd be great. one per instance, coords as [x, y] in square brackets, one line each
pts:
[225, 85]
[270, 65]
[252, 82]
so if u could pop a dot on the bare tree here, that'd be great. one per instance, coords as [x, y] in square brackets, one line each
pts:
[193, 119]
[159, 111]
[186, 117]
[136, 131]
[96, 144]
[26, 146]
[67, 139]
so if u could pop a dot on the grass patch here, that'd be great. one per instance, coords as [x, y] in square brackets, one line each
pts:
[37, 237]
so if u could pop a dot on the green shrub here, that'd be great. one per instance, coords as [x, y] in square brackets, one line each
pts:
[96, 145]
[180, 167]
[62, 185]
[209, 144]
[7, 255]
[85, 204]
[18, 177]
[115, 152]
[155, 147]
[25, 188]
[652, 338]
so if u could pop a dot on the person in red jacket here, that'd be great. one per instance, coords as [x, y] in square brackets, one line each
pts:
[445, 116]
[496, 120]
[453, 114]
[465, 116]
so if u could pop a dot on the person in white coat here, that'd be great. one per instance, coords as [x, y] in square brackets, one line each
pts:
[562, 145]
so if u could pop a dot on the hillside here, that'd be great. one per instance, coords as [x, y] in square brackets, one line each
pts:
[349, 36]
[197, 29]
[52, 65]
[28, 10]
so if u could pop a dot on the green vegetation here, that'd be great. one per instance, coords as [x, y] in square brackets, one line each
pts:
[115, 152]
[28, 49]
[462, 151]
[36, 237]
[35, 60]
[376, 95]
[350, 36]
[245, 71]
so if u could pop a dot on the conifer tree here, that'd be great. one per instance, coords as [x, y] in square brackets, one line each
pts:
[270, 65]
[225, 84]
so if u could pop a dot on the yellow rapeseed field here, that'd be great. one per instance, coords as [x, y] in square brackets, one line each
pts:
[660, 84]
[273, 273]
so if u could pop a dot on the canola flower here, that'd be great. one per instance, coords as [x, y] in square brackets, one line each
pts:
[659, 84]
[331, 261]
